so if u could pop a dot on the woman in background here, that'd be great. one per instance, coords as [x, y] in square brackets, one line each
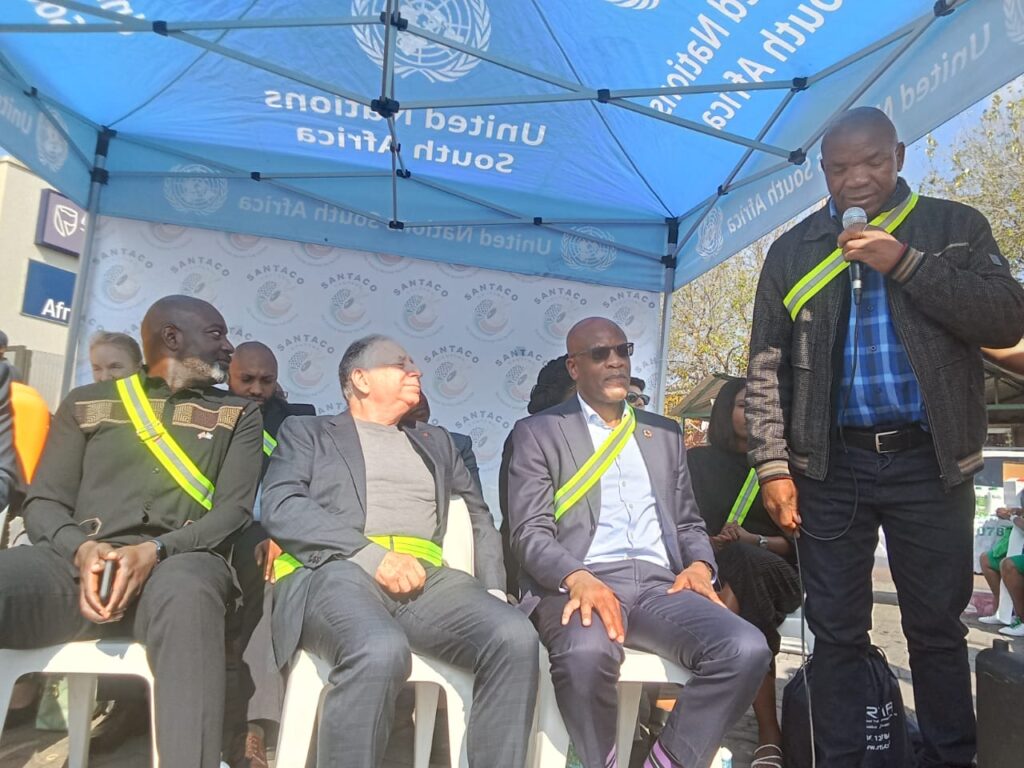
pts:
[755, 561]
[113, 356]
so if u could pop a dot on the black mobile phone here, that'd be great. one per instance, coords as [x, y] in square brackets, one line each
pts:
[107, 582]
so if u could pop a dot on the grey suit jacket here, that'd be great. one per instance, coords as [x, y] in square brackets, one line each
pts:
[314, 507]
[464, 445]
[547, 450]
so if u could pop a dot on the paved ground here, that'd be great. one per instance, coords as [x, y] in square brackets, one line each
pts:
[24, 747]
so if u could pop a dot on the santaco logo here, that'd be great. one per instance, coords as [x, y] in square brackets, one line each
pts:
[449, 372]
[307, 361]
[491, 313]
[560, 309]
[580, 251]
[517, 372]
[164, 235]
[348, 297]
[461, 21]
[631, 311]
[317, 255]
[51, 146]
[636, 5]
[195, 193]
[458, 270]
[388, 262]
[419, 306]
[709, 235]
[121, 274]
[488, 430]
[240, 245]
[1013, 10]
[200, 276]
[274, 298]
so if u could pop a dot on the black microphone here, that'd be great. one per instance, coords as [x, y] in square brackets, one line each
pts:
[855, 220]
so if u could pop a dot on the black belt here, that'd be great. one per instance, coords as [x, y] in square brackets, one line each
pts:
[882, 440]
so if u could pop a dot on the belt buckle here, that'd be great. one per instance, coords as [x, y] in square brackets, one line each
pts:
[878, 440]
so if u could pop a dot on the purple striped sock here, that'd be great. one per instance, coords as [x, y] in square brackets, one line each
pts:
[659, 758]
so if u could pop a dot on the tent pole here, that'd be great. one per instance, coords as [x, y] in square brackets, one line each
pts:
[666, 314]
[99, 178]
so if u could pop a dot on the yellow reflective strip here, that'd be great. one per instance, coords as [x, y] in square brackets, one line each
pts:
[580, 483]
[889, 221]
[285, 564]
[269, 443]
[745, 499]
[423, 549]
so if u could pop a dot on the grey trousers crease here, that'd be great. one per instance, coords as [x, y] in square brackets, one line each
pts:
[179, 617]
[367, 637]
[728, 657]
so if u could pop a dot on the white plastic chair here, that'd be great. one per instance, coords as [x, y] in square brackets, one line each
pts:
[81, 663]
[792, 640]
[309, 673]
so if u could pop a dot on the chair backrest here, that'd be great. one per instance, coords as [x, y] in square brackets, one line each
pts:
[458, 537]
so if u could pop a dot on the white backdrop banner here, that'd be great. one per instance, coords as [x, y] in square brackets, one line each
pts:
[479, 336]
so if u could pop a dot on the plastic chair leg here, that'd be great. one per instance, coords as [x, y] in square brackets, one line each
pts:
[298, 716]
[629, 709]
[458, 704]
[427, 695]
[552, 740]
[81, 702]
[8, 677]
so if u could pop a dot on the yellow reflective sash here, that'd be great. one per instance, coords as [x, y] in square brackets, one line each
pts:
[269, 443]
[833, 265]
[161, 444]
[745, 499]
[593, 468]
[422, 549]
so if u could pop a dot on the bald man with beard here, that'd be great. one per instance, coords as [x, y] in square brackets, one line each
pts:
[102, 493]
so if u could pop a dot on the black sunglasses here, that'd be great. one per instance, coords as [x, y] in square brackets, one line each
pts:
[600, 354]
[638, 397]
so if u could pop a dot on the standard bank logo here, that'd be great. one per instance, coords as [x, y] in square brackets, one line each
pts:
[195, 194]
[709, 235]
[51, 146]
[581, 252]
[636, 5]
[1013, 10]
[462, 21]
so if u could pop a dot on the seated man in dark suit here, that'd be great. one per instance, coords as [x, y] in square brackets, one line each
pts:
[614, 551]
[359, 502]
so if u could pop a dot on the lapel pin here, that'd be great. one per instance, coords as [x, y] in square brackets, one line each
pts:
[205, 436]
[426, 434]
[648, 433]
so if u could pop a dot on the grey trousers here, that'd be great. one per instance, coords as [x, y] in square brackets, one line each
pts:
[179, 616]
[367, 636]
[728, 657]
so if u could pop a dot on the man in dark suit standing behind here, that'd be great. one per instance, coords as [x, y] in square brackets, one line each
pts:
[359, 502]
[617, 542]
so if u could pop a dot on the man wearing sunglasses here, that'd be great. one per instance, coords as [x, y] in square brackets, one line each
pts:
[359, 502]
[614, 552]
[636, 397]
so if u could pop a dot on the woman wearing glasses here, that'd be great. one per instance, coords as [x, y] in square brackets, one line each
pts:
[755, 561]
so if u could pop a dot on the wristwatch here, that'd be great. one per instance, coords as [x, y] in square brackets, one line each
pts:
[161, 550]
[762, 542]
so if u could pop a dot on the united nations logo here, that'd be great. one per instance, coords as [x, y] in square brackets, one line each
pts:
[488, 430]
[306, 360]
[636, 5]
[194, 193]
[462, 21]
[580, 252]
[349, 295]
[560, 309]
[419, 306]
[51, 146]
[274, 298]
[448, 372]
[121, 277]
[1013, 10]
[490, 316]
[518, 372]
[709, 235]
[317, 255]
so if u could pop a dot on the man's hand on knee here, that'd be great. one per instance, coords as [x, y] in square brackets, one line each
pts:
[135, 564]
[90, 559]
[696, 577]
[400, 574]
[587, 594]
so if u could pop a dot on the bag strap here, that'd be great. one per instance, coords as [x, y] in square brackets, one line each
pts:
[594, 467]
[834, 264]
[161, 444]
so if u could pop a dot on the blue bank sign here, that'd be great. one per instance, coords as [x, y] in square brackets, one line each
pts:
[48, 292]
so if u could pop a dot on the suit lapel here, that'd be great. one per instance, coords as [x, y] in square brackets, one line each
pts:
[581, 447]
[346, 440]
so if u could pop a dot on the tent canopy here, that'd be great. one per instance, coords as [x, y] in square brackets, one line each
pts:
[593, 140]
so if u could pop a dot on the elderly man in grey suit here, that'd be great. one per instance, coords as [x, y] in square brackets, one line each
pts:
[359, 503]
[614, 552]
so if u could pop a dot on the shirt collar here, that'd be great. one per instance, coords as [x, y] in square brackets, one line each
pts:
[591, 416]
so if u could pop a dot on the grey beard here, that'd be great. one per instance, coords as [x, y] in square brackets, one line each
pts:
[219, 373]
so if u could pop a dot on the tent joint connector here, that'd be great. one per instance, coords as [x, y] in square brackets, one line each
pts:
[797, 157]
[32, 92]
[604, 95]
[256, 176]
[406, 174]
[722, 190]
[398, 21]
[385, 107]
[669, 262]
[396, 224]
[944, 7]
[160, 27]
[538, 221]
[99, 175]
[799, 84]
[396, 148]
[103, 142]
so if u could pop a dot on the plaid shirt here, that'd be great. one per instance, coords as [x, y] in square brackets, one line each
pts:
[881, 390]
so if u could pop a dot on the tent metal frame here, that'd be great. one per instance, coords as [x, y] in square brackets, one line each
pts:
[386, 105]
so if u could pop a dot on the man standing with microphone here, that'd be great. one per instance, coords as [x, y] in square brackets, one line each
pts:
[871, 413]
